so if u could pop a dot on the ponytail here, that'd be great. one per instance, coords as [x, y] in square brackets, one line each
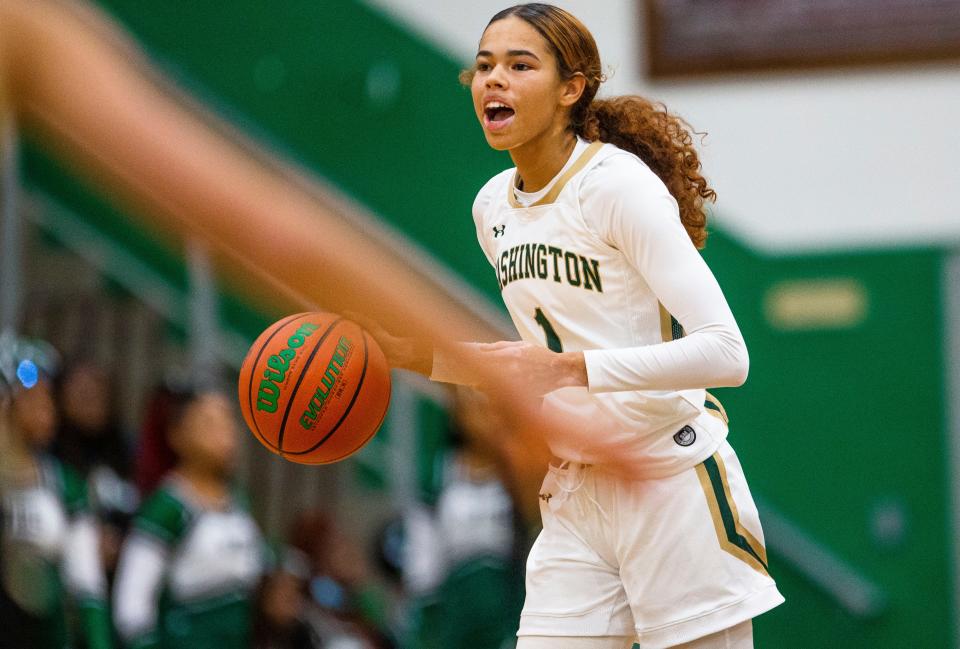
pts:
[665, 144]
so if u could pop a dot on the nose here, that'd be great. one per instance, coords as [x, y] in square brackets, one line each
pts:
[496, 77]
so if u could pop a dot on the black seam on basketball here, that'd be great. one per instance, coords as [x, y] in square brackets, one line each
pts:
[353, 400]
[253, 417]
[303, 373]
[383, 418]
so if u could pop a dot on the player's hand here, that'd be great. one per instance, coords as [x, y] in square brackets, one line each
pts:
[536, 367]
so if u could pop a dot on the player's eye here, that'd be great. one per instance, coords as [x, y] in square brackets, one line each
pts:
[521, 67]
[483, 67]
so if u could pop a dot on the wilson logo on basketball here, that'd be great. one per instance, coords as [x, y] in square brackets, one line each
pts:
[277, 365]
[314, 393]
[341, 355]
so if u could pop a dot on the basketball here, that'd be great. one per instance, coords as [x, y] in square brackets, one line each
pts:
[314, 388]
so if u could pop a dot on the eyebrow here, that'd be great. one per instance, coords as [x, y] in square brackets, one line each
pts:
[509, 53]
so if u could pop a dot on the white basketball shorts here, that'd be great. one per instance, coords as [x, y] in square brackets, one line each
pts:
[670, 559]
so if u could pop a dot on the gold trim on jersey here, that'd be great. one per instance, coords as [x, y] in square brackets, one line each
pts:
[715, 408]
[670, 327]
[734, 538]
[558, 186]
[666, 324]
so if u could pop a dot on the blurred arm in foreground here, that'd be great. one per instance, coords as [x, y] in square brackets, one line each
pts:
[77, 83]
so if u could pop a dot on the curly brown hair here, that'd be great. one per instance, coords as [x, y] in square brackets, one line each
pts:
[662, 140]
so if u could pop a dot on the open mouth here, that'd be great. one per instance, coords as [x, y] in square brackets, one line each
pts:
[497, 115]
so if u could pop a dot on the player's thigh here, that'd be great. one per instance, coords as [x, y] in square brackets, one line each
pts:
[707, 568]
[574, 642]
[739, 636]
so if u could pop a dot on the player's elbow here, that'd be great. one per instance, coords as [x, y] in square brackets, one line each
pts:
[739, 372]
[736, 361]
[739, 365]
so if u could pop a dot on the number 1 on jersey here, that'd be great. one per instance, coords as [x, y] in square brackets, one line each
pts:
[553, 340]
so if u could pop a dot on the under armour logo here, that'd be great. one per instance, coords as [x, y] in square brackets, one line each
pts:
[498, 230]
[546, 497]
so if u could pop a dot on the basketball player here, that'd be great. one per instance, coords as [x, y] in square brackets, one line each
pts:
[649, 530]
[188, 570]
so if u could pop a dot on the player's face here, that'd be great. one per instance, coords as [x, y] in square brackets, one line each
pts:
[207, 434]
[86, 400]
[518, 94]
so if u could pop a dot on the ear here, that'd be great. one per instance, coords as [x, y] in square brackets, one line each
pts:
[572, 89]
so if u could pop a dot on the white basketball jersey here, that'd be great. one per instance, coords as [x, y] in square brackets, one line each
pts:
[568, 288]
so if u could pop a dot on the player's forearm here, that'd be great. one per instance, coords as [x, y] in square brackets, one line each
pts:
[409, 354]
[136, 595]
[455, 364]
[538, 369]
[449, 363]
[705, 359]
[83, 569]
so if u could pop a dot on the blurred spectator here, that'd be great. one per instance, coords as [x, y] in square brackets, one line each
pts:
[188, 570]
[464, 555]
[89, 437]
[52, 586]
[90, 442]
[348, 609]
